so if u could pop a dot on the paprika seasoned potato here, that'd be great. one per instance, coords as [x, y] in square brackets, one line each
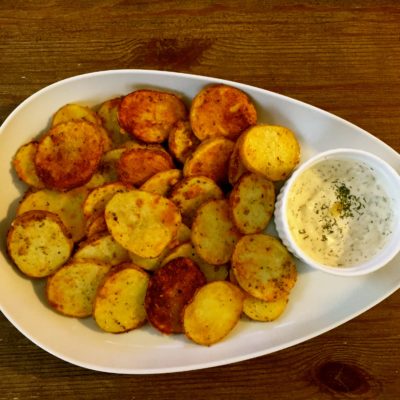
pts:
[221, 110]
[181, 141]
[280, 151]
[190, 193]
[236, 167]
[119, 301]
[108, 113]
[95, 226]
[186, 249]
[211, 159]
[170, 289]
[71, 290]
[149, 115]
[213, 312]
[67, 205]
[96, 201]
[24, 165]
[252, 203]
[38, 243]
[68, 155]
[136, 165]
[102, 247]
[264, 311]
[263, 267]
[162, 182]
[213, 233]
[141, 222]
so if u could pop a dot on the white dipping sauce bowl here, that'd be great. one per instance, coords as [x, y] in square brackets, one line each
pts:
[387, 177]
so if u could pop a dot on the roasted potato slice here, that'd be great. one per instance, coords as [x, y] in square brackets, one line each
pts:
[210, 159]
[138, 164]
[95, 226]
[73, 112]
[252, 203]
[162, 182]
[213, 312]
[71, 290]
[280, 151]
[67, 205]
[103, 248]
[264, 311]
[221, 110]
[143, 223]
[95, 202]
[38, 243]
[186, 249]
[263, 267]
[190, 193]
[68, 155]
[181, 141]
[108, 112]
[119, 302]
[150, 115]
[213, 233]
[151, 264]
[77, 112]
[24, 165]
[170, 288]
[236, 167]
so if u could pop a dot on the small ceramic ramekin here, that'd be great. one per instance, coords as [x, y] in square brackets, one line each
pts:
[388, 179]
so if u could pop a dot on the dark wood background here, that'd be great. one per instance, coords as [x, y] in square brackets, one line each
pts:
[342, 56]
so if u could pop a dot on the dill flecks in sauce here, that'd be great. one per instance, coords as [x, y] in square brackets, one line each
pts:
[338, 213]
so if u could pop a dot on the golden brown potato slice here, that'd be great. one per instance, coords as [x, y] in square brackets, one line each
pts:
[150, 115]
[108, 112]
[102, 248]
[190, 193]
[119, 302]
[68, 155]
[77, 112]
[71, 290]
[170, 288]
[95, 226]
[213, 312]
[280, 151]
[138, 164]
[264, 311]
[210, 159]
[263, 267]
[70, 112]
[24, 165]
[252, 203]
[151, 264]
[221, 110]
[162, 182]
[143, 223]
[38, 243]
[95, 202]
[236, 167]
[67, 205]
[181, 141]
[186, 249]
[213, 233]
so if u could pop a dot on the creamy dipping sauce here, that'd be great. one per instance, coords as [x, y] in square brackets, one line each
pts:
[338, 214]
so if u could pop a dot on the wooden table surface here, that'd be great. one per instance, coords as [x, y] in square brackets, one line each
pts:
[341, 56]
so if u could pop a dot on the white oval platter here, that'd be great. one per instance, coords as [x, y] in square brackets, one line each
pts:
[318, 303]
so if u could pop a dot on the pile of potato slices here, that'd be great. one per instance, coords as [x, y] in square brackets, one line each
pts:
[145, 209]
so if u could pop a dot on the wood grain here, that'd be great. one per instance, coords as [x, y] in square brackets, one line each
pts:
[341, 56]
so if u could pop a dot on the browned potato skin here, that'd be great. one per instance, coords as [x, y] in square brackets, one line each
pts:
[137, 165]
[221, 110]
[150, 115]
[182, 142]
[68, 155]
[170, 289]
